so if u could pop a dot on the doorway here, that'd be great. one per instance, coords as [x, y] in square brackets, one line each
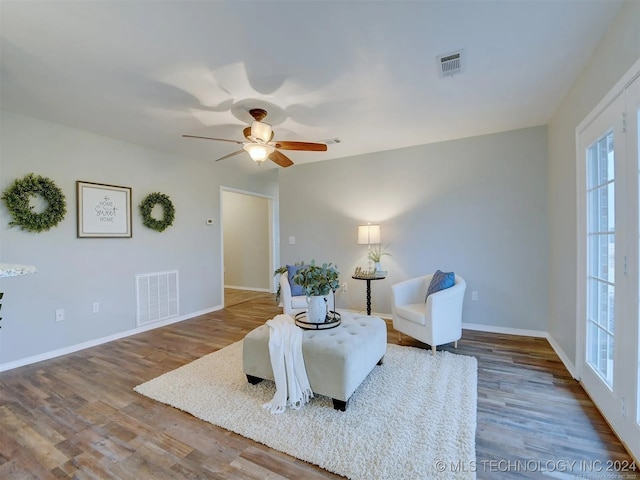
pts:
[247, 244]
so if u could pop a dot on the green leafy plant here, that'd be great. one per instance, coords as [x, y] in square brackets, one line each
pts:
[169, 211]
[279, 271]
[18, 196]
[377, 253]
[317, 279]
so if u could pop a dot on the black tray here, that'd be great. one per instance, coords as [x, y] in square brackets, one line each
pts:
[332, 320]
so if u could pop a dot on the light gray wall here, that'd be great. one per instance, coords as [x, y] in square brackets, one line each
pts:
[74, 273]
[614, 56]
[247, 234]
[477, 206]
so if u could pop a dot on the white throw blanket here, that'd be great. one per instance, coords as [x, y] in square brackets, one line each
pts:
[287, 363]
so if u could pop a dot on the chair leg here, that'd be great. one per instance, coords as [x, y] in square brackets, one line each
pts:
[455, 344]
[433, 349]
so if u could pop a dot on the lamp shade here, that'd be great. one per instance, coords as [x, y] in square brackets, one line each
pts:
[368, 234]
[261, 131]
[258, 151]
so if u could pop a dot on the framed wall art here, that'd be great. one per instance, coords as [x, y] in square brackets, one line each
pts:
[104, 211]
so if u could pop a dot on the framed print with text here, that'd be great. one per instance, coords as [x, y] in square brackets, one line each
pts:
[104, 211]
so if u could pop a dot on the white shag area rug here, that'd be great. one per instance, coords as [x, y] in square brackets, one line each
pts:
[413, 417]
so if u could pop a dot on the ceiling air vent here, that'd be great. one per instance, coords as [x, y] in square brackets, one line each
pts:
[450, 64]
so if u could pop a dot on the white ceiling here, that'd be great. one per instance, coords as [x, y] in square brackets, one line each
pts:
[365, 72]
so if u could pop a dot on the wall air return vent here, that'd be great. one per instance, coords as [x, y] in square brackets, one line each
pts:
[157, 295]
[450, 64]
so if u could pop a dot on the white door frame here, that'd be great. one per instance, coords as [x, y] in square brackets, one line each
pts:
[613, 94]
[272, 233]
[625, 393]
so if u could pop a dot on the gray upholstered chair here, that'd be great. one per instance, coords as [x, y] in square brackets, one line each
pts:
[436, 321]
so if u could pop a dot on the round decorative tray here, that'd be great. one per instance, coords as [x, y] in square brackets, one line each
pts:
[332, 320]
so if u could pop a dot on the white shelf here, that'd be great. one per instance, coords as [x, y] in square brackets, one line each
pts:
[14, 270]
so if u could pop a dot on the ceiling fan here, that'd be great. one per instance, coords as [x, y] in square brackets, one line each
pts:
[260, 145]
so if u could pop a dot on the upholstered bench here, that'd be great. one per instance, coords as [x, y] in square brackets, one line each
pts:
[337, 360]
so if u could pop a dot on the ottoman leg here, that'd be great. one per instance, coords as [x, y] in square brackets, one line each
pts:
[253, 380]
[380, 361]
[339, 405]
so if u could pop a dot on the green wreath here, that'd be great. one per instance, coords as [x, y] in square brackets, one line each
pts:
[17, 197]
[146, 208]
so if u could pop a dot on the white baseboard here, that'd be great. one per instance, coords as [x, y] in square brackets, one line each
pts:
[384, 316]
[468, 326]
[99, 341]
[251, 289]
[528, 333]
[505, 330]
[563, 357]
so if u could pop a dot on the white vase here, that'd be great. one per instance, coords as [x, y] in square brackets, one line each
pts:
[378, 266]
[317, 311]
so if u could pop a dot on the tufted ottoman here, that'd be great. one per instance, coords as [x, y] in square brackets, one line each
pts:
[337, 360]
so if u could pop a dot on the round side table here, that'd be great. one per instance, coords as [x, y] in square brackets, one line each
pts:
[368, 279]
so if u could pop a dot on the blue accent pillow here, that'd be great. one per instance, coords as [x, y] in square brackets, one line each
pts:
[296, 290]
[440, 281]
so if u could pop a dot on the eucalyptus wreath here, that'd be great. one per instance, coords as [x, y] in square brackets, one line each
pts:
[17, 196]
[169, 212]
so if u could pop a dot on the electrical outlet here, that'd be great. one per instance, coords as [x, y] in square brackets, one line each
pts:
[623, 407]
[474, 296]
[59, 314]
[344, 287]
[96, 307]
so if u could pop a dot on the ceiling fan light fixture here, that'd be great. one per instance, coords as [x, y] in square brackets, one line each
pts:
[261, 131]
[260, 145]
[259, 152]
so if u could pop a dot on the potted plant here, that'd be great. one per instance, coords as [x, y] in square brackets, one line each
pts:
[375, 255]
[317, 281]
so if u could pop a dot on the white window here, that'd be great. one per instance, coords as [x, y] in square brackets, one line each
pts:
[601, 247]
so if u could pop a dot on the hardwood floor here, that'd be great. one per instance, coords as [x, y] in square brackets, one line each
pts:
[77, 416]
[234, 296]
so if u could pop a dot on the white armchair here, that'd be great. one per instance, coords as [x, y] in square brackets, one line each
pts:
[292, 305]
[434, 322]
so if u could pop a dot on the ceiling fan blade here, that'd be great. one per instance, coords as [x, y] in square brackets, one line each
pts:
[280, 159]
[309, 146]
[230, 155]
[217, 139]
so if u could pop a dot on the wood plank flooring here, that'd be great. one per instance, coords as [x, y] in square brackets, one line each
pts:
[234, 296]
[77, 416]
